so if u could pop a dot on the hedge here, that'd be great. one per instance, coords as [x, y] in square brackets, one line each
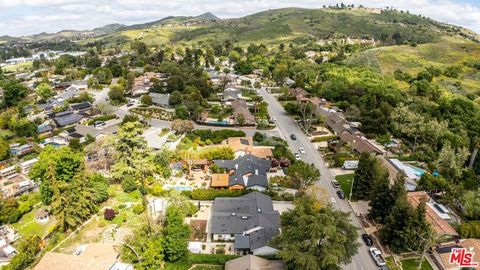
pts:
[211, 194]
[100, 118]
[325, 138]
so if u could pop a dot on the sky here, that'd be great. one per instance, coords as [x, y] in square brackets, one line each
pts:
[26, 17]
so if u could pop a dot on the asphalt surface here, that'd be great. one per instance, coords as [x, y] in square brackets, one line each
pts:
[287, 126]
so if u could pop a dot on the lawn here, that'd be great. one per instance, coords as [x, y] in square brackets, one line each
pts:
[18, 67]
[345, 182]
[208, 267]
[28, 226]
[407, 264]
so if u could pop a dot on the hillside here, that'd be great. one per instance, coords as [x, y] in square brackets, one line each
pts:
[390, 27]
[447, 52]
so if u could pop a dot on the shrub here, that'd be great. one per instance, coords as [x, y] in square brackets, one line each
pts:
[138, 209]
[325, 138]
[128, 184]
[211, 194]
[109, 214]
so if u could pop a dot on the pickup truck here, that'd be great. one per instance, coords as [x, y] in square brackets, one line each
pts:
[377, 256]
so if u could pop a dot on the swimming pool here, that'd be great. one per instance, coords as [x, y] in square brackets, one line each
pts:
[218, 123]
[178, 187]
[418, 171]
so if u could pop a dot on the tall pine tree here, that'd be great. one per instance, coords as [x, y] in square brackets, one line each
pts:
[384, 196]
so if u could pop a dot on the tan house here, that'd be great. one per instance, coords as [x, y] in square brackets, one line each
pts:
[244, 145]
[434, 214]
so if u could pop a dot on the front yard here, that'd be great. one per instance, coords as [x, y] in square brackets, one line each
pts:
[345, 182]
[407, 264]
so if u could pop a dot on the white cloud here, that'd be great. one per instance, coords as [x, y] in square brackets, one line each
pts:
[22, 17]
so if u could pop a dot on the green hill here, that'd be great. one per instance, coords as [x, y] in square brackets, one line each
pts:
[296, 24]
[445, 53]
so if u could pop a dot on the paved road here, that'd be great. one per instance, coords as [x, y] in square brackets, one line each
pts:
[287, 126]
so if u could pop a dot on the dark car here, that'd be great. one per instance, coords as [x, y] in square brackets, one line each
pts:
[340, 194]
[293, 137]
[384, 268]
[367, 239]
[129, 104]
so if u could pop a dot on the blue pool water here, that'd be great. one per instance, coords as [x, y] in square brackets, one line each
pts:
[218, 123]
[418, 171]
[178, 187]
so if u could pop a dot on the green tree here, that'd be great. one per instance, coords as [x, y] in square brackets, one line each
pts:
[27, 250]
[176, 234]
[368, 169]
[146, 100]
[13, 92]
[144, 250]
[103, 75]
[55, 166]
[316, 237]
[44, 91]
[73, 202]
[303, 174]
[404, 226]
[4, 149]
[471, 204]
[451, 162]
[117, 94]
[383, 197]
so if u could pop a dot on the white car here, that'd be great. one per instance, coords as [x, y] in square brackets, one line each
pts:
[301, 150]
[297, 156]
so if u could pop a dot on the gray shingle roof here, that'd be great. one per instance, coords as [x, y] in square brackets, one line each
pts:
[80, 106]
[254, 212]
[68, 119]
[249, 170]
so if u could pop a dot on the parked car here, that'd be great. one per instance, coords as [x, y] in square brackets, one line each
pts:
[129, 104]
[297, 156]
[341, 195]
[367, 239]
[335, 184]
[293, 137]
[301, 150]
[377, 256]
[384, 268]
[99, 124]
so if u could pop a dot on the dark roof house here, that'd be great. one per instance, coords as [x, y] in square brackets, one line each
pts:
[247, 171]
[67, 118]
[240, 109]
[250, 218]
[80, 107]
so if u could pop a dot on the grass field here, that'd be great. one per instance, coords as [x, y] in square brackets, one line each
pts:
[18, 67]
[28, 226]
[345, 182]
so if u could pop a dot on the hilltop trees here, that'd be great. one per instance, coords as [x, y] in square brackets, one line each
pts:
[316, 237]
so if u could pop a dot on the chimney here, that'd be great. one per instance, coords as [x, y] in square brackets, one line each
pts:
[256, 171]
[236, 166]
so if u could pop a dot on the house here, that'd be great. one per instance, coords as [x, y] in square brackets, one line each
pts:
[81, 85]
[81, 132]
[44, 128]
[241, 113]
[20, 149]
[64, 119]
[8, 171]
[94, 256]
[244, 145]
[249, 221]
[436, 214]
[27, 165]
[82, 107]
[162, 100]
[157, 207]
[442, 253]
[6, 250]
[246, 172]
[252, 262]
